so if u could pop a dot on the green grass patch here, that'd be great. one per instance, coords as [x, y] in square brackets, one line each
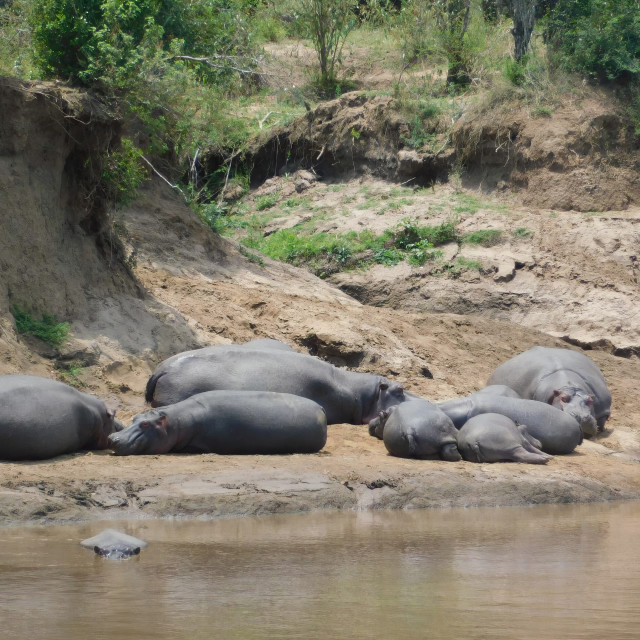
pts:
[266, 201]
[47, 329]
[483, 237]
[457, 268]
[72, 374]
[523, 232]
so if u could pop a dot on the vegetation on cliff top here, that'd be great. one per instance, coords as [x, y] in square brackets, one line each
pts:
[188, 77]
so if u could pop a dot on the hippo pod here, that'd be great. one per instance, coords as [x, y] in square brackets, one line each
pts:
[114, 544]
[42, 418]
[227, 422]
[346, 396]
[416, 429]
[491, 437]
[564, 378]
[557, 431]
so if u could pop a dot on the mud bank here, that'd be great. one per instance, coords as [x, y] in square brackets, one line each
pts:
[353, 472]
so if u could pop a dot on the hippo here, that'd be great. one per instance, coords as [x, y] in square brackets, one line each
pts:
[491, 437]
[42, 418]
[500, 390]
[267, 343]
[564, 378]
[416, 429]
[227, 422]
[261, 344]
[346, 396]
[114, 544]
[558, 432]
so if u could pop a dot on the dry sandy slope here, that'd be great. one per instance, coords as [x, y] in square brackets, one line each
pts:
[222, 297]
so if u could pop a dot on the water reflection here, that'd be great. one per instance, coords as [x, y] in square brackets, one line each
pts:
[542, 573]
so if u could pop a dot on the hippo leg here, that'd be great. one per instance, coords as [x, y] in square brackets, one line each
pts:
[520, 454]
[528, 437]
[532, 445]
[450, 452]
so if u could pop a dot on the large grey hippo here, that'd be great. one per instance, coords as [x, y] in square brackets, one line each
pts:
[227, 422]
[346, 396]
[557, 431]
[491, 437]
[42, 418]
[567, 379]
[416, 429]
[111, 543]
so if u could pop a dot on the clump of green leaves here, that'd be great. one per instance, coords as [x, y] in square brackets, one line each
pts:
[123, 172]
[597, 37]
[409, 233]
[47, 328]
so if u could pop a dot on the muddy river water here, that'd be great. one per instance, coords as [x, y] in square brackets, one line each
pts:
[545, 572]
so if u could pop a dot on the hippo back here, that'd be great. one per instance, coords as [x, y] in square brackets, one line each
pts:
[42, 418]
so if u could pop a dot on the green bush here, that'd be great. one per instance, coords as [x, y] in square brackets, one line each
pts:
[103, 40]
[124, 172]
[600, 38]
[47, 329]
[409, 233]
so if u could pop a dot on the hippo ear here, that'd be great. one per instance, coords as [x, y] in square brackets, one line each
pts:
[589, 401]
[384, 386]
[162, 422]
[111, 414]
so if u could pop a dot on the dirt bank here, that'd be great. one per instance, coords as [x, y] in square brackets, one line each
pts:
[189, 287]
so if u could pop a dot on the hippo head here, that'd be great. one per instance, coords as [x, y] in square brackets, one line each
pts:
[578, 404]
[387, 394]
[109, 425]
[376, 425]
[148, 434]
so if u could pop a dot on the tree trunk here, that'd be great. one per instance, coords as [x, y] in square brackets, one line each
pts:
[524, 12]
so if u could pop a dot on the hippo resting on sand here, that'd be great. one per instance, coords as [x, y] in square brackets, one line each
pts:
[114, 544]
[491, 437]
[42, 418]
[346, 396]
[567, 379]
[557, 431]
[227, 422]
[416, 429]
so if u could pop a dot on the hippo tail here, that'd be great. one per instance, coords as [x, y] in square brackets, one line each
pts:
[151, 386]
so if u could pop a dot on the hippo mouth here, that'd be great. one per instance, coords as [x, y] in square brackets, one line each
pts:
[124, 443]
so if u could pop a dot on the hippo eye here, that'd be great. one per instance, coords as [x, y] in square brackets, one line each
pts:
[145, 424]
[384, 386]
[565, 398]
[589, 401]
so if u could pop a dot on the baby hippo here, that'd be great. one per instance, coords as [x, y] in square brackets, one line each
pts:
[416, 429]
[491, 437]
[227, 422]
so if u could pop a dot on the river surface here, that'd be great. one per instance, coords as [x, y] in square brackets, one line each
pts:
[546, 572]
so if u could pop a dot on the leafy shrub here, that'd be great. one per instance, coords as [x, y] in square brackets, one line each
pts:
[388, 257]
[123, 172]
[409, 233]
[327, 23]
[599, 38]
[47, 329]
[420, 252]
